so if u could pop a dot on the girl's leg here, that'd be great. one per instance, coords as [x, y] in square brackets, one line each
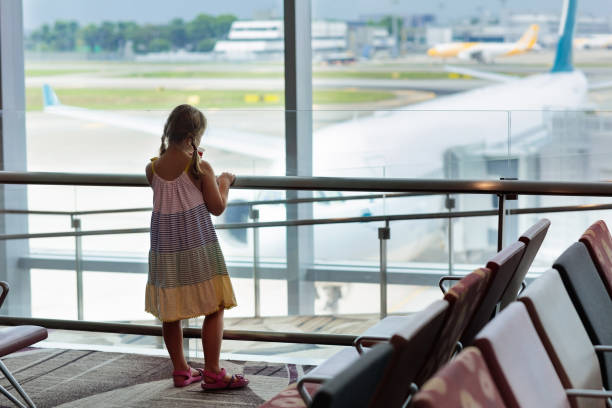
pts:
[173, 337]
[212, 335]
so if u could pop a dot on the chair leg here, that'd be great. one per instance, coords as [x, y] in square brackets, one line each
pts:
[16, 385]
[10, 396]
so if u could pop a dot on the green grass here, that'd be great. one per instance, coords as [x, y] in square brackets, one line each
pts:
[206, 74]
[51, 72]
[138, 99]
[277, 74]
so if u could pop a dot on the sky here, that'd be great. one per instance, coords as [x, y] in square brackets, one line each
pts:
[38, 12]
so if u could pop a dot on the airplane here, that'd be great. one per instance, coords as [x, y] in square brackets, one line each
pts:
[407, 142]
[485, 52]
[593, 42]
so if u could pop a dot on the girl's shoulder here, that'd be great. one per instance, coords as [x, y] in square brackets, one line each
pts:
[150, 169]
[206, 167]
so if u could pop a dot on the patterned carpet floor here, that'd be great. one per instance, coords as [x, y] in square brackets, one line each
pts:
[78, 378]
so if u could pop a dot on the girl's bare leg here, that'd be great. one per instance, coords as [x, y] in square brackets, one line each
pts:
[212, 335]
[173, 337]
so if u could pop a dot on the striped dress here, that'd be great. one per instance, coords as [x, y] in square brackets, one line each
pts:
[187, 273]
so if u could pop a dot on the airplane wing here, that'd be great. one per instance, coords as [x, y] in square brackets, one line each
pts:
[247, 143]
[600, 85]
[491, 76]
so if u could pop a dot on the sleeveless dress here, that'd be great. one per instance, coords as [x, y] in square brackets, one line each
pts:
[187, 273]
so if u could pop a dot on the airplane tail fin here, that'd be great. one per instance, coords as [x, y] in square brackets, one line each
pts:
[563, 58]
[529, 38]
[49, 97]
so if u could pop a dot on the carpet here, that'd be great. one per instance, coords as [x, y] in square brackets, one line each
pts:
[79, 378]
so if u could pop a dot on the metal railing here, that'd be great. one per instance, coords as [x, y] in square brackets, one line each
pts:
[405, 188]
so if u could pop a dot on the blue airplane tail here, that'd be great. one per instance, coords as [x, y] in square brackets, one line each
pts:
[563, 58]
[49, 96]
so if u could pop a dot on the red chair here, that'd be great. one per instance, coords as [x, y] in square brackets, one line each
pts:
[13, 339]
[599, 243]
[463, 298]
[465, 381]
[503, 266]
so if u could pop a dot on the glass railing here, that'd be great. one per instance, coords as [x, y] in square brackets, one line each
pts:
[97, 270]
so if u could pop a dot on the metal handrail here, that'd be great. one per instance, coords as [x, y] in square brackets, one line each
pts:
[188, 332]
[326, 221]
[230, 204]
[594, 189]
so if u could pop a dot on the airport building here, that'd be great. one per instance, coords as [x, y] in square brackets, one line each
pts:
[302, 211]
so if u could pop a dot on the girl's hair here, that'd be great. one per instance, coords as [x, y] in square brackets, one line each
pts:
[184, 122]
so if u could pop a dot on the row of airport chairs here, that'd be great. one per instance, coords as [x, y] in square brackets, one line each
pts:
[392, 359]
[552, 348]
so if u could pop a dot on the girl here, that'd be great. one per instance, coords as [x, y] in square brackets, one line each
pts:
[187, 274]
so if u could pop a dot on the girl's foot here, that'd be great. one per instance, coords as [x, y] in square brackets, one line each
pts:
[186, 377]
[222, 380]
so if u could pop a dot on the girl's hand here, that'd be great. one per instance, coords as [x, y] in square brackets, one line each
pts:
[228, 176]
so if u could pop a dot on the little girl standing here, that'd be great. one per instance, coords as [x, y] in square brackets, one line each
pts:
[187, 273]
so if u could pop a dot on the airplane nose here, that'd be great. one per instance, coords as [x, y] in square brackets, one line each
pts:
[432, 52]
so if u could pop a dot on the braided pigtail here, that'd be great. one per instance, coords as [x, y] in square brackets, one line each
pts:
[164, 145]
[194, 167]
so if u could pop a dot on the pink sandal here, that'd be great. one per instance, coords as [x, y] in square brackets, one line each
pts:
[185, 377]
[237, 381]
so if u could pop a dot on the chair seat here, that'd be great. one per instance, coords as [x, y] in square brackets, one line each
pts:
[18, 337]
[334, 365]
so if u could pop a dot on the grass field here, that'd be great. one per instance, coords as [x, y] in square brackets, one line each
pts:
[53, 72]
[139, 99]
[277, 74]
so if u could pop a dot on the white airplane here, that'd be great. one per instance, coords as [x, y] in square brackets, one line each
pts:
[593, 42]
[406, 142]
[485, 52]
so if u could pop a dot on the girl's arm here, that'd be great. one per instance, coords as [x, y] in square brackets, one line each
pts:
[215, 190]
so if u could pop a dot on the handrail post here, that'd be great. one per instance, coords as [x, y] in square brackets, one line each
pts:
[384, 234]
[254, 214]
[450, 204]
[78, 257]
[500, 221]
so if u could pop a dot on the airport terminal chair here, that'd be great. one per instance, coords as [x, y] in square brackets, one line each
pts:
[590, 299]
[599, 243]
[532, 238]
[463, 299]
[502, 266]
[561, 331]
[412, 344]
[519, 364]
[11, 340]
[356, 386]
[464, 380]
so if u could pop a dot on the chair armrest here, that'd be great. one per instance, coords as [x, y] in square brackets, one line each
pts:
[447, 278]
[603, 348]
[578, 392]
[5, 290]
[306, 397]
[368, 340]
[381, 331]
[327, 370]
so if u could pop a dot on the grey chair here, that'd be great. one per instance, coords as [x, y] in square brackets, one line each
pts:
[561, 331]
[590, 298]
[532, 238]
[520, 366]
[412, 339]
[13, 339]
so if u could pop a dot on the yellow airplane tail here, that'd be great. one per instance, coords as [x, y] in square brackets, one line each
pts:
[528, 40]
